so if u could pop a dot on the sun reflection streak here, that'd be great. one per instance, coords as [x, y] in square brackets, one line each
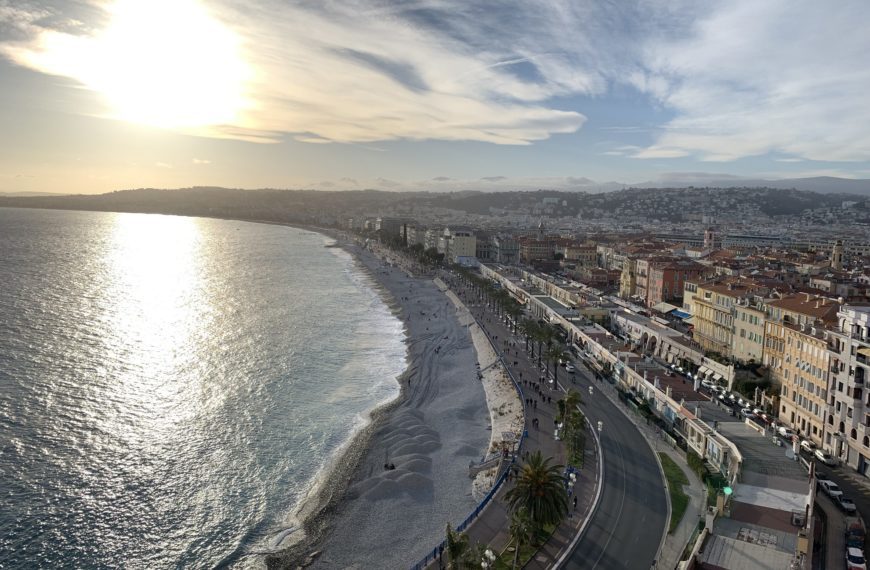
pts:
[158, 310]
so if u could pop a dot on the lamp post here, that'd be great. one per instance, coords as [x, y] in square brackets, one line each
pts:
[600, 426]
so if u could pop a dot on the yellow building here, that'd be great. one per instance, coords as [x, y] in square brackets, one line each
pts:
[713, 309]
[805, 371]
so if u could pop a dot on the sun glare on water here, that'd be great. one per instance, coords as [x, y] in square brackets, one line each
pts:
[164, 63]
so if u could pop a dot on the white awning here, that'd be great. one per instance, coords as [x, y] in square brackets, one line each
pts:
[718, 376]
[702, 371]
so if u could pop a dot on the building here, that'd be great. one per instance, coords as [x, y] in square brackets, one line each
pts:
[506, 250]
[459, 245]
[748, 340]
[665, 281]
[713, 310]
[848, 426]
[805, 373]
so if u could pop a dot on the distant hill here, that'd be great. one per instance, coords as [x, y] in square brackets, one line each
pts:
[31, 194]
[820, 184]
[666, 204]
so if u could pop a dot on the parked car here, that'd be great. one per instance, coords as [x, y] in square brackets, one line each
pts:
[808, 446]
[830, 488]
[855, 559]
[569, 367]
[825, 457]
[785, 432]
[848, 505]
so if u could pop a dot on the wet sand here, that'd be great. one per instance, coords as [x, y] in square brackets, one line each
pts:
[367, 516]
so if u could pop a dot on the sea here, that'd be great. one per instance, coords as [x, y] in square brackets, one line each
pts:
[172, 389]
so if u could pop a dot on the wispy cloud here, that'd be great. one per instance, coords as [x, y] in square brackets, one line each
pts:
[201, 161]
[758, 77]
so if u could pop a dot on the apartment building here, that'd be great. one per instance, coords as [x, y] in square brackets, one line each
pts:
[848, 435]
[748, 339]
[665, 281]
[805, 374]
[713, 310]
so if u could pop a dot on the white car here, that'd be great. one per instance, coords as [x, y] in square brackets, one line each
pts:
[855, 559]
[830, 488]
[569, 367]
[785, 432]
[825, 457]
[807, 445]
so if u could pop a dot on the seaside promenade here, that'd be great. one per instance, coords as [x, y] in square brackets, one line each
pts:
[628, 529]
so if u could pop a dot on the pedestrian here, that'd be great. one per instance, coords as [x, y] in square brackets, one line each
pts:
[575, 502]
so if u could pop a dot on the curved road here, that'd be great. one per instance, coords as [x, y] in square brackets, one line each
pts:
[627, 527]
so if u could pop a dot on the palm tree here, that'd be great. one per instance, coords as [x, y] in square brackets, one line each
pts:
[457, 547]
[568, 404]
[556, 353]
[540, 489]
[522, 529]
[529, 327]
[544, 334]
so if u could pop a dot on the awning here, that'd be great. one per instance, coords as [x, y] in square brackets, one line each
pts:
[664, 308]
[864, 351]
[702, 371]
[681, 314]
[717, 376]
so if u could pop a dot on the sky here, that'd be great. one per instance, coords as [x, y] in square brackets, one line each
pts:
[104, 95]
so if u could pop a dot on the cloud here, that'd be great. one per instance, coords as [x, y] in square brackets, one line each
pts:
[753, 78]
[162, 165]
[442, 179]
[201, 161]
[368, 71]
[347, 180]
[387, 183]
[494, 178]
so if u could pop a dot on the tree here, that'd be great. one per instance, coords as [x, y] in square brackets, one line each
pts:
[529, 328]
[556, 353]
[521, 530]
[457, 547]
[540, 489]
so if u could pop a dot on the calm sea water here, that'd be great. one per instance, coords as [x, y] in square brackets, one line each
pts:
[170, 388]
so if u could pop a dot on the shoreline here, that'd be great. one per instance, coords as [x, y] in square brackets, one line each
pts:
[413, 429]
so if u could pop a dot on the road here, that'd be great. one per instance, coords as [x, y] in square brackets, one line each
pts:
[631, 517]
[627, 527]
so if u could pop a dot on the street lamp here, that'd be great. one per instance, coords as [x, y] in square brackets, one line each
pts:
[600, 426]
[591, 390]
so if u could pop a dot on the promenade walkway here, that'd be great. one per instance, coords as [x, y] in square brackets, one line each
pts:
[491, 527]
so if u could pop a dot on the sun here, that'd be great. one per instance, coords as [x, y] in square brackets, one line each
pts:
[164, 63]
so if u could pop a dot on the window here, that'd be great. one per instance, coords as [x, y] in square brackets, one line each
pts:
[853, 434]
[866, 442]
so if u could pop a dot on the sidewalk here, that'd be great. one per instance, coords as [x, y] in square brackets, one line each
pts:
[491, 527]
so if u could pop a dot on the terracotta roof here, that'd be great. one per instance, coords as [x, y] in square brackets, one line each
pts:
[809, 305]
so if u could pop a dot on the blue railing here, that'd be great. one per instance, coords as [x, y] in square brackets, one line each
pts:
[439, 549]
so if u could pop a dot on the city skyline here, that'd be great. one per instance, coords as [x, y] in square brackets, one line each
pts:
[427, 95]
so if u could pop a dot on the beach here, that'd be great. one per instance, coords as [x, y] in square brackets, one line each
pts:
[389, 498]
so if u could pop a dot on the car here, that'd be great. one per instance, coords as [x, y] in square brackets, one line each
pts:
[785, 432]
[855, 559]
[847, 504]
[707, 384]
[807, 445]
[830, 488]
[825, 457]
[569, 367]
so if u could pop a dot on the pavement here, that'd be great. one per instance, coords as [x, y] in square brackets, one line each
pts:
[834, 538]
